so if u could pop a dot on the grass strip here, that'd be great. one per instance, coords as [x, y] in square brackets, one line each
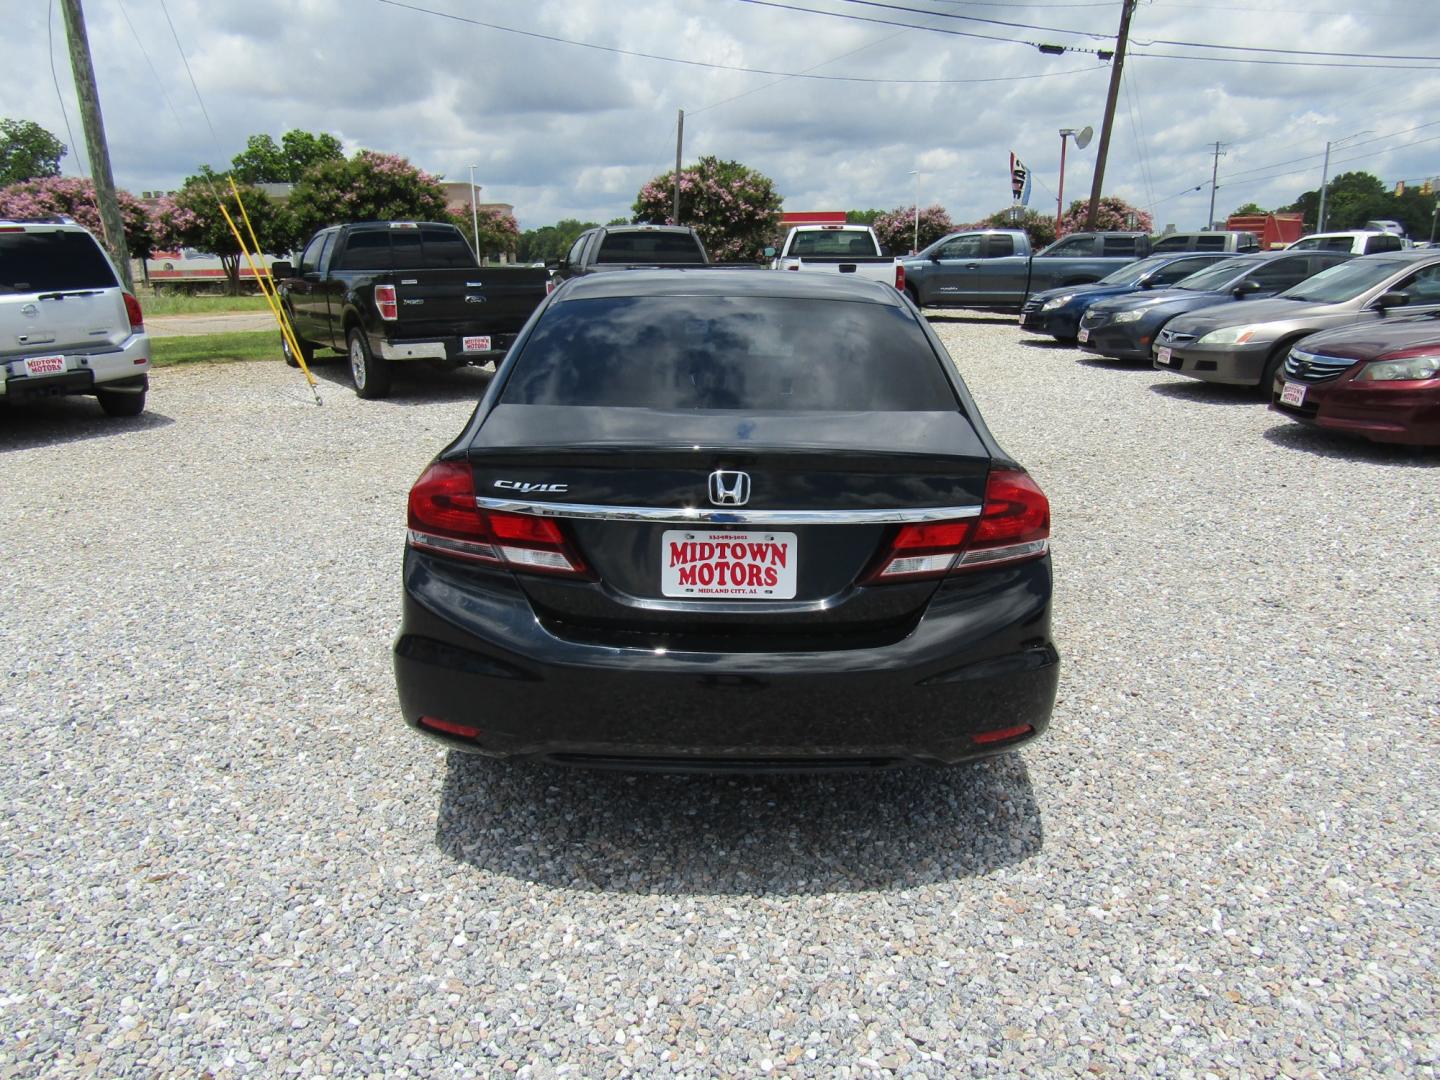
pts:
[178, 304]
[215, 348]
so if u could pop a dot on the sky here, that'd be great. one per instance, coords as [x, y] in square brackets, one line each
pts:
[563, 116]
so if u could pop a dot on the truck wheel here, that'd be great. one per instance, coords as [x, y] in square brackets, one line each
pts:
[370, 373]
[307, 351]
[118, 403]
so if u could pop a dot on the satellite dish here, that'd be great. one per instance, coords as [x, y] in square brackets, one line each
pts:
[1083, 139]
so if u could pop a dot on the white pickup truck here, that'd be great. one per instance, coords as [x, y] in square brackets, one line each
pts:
[839, 249]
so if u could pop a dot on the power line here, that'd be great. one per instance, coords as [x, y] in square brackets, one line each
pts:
[976, 18]
[50, 38]
[1287, 63]
[1285, 52]
[179, 48]
[1310, 157]
[740, 67]
[145, 53]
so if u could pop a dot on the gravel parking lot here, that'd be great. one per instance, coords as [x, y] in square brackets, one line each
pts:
[224, 854]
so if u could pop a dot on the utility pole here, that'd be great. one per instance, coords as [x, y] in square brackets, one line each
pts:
[1117, 64]
[679, 142]
[1214, 175]
[474, 214]
[113, 225]
[1324, 182]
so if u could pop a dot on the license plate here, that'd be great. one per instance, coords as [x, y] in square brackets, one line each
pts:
[1293, 394]
[45, 365]
[728, 565]
[480, 343]
[1083, 336]
[1162, 356]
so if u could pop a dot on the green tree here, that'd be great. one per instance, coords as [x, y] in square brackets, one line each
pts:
[192, 218]
[862, 217]
[263, 162]
[1040, 228]
[27, 152]
[896, 228]
[1249, 208]
[734, 208]
[370, 186]
[1351, 199]
[550, 242]
[1113, 213]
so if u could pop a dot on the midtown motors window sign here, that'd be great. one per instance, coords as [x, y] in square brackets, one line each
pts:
[732, 564]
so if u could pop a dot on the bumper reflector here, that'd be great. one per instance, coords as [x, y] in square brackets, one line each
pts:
[434, 723]
[984, 738]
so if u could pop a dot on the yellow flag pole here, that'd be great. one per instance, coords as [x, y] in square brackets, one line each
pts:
[274, 310]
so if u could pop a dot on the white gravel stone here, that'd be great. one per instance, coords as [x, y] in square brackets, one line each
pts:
[225, 855]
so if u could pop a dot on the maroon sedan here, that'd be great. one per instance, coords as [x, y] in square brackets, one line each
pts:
[1380, 381]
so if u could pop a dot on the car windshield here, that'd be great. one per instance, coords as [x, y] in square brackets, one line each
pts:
[1217, 277]
[1133, 272]
[729, 352]
[1344, 281]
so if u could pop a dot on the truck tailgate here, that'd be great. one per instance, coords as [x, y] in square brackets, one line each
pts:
[487, 299]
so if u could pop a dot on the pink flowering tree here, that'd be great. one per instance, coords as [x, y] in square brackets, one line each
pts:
[75, 197]
[734, 209]
[1112, 213]
[896, 229]
[499, 231]
[370, 186]
[192, 218]
[1040, 227]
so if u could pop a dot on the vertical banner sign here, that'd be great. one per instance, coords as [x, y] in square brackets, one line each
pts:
[1019, 180]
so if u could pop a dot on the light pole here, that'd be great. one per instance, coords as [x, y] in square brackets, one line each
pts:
[1325, 176]
[1082, 140]
[915, 246]
[474, 213]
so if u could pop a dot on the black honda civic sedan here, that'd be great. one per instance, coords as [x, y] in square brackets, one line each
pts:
[727, 520]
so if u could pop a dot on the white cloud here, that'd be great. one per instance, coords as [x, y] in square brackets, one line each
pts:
[565, 131]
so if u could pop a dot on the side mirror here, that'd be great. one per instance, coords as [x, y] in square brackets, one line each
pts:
[552, 265]
[1392, 299]
[1147, 283]
[935, 256]
[281, 269]
[769, 253]
[1245, 288]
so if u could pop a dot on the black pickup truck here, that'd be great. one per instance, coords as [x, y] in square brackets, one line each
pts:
[624, 247]
[385, 292]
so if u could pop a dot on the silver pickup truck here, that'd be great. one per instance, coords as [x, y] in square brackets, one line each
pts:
[838, 249]
[994, 269]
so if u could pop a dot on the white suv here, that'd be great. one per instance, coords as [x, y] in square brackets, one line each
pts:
[1356, 242]
[66, 324]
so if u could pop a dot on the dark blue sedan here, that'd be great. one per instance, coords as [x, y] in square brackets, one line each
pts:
[1057, 312]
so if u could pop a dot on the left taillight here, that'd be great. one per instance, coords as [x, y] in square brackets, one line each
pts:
[385, 302]
[444, 519]
[133, 312]
[1013, 526]
[900, 276]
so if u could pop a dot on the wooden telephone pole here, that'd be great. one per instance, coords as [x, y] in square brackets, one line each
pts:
[1117, 64]
[96, 149]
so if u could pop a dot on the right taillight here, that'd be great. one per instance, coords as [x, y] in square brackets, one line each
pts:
[1014, 525]
[444, 519]
[133, 313]
[385, 302]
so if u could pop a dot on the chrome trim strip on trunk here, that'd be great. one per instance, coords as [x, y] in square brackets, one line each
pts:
[694, 514]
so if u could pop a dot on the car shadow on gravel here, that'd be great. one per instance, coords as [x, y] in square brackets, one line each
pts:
[1203, 393]
[978, 318]
[754, 835]
[1335, 444]
[414, 384]
[53, 421]
[1047, 344]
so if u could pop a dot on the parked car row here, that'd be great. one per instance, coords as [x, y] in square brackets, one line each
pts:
[1332, 339]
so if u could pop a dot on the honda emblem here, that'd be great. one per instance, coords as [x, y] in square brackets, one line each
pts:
[729, 488]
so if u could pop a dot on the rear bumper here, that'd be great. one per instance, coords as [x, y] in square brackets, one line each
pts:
[124, 368]
[449, 349]
[472, 652]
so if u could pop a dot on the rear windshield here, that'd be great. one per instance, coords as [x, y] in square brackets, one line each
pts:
[52, 262]
[833, 242]
[428, 247]
[649, 247]
[729, 352]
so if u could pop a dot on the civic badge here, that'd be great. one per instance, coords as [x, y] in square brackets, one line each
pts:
[729, 488]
